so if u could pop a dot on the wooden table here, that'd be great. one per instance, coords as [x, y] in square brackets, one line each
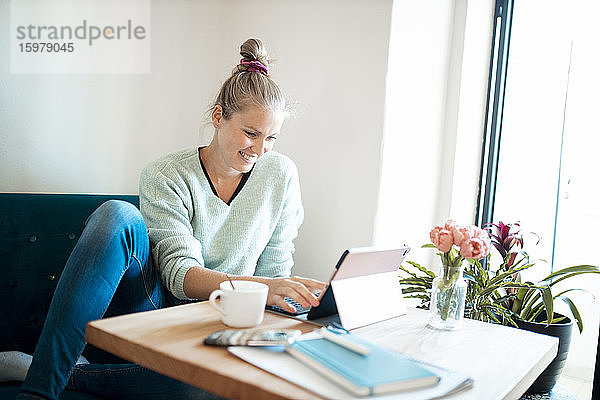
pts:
[503, 361]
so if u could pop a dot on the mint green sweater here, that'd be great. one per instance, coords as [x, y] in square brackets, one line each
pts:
[189, 226]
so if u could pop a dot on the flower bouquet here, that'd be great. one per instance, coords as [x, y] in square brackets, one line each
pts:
[455, 243]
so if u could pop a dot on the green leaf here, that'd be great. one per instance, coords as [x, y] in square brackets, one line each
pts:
[490, 289]
[413, 281]
[491, 315]
[413, 289]
[505, 313]
[575, 270]
[567, 276]
[509, 273]
[482, 273]
[557, 320]
[531, 297]
[414, 264]
[535, 311]
[516, 307]
[454, 252]
[428, 246]
[412, 274]
[504, 298]
[528, 312]
[548, 301]
[422, 269]
[572, 290]
[418, 296]
[574, 311]
[528, 296]
[524, 258]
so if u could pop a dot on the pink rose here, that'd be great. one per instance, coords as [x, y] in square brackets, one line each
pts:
[478, 246]
[442, 238]
[463, 233]
[450, 223]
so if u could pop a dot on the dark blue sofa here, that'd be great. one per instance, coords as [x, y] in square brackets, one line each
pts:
[38, 232]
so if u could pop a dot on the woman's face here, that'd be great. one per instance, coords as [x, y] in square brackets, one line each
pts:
[246, 136]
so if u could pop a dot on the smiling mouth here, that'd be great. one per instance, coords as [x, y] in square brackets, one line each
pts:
[248, 157]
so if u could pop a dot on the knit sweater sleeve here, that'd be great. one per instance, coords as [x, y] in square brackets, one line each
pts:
[166, 204]
[276, 258]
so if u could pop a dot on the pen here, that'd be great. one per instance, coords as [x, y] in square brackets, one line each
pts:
[342, 341]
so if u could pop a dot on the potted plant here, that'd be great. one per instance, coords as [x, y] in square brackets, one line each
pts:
[497, 294]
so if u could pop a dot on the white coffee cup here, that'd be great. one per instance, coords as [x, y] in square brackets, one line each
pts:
[243, 305]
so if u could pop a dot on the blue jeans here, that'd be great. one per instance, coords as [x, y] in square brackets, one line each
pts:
[110, 272]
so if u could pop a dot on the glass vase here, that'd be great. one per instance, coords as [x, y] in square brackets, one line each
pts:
[448, 293]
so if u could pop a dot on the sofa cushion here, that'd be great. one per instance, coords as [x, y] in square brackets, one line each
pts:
[10, 390]
[38, 232]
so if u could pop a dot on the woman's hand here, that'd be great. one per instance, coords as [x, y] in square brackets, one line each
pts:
[298, 288]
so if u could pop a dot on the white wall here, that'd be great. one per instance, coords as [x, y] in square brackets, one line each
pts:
[472, 73]
[418, 61]
[436, 93]
[94, 133]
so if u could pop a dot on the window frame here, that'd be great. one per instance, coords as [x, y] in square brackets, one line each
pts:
[503, 12]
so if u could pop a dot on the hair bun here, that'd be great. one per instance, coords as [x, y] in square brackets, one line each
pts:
[252, 50]
[250, 83]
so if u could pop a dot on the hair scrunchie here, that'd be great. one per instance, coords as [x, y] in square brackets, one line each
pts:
[254, 66]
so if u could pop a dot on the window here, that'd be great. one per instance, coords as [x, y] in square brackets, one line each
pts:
[541, 145]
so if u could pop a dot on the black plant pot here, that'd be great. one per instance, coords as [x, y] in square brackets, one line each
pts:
[546, 381]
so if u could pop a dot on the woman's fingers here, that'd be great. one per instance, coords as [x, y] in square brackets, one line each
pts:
[280, 301]
[310, 289]
[300, 293]
[312, 284]
[295, 291]
[298, 288]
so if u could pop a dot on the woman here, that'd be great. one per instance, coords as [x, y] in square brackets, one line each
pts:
[230, 209]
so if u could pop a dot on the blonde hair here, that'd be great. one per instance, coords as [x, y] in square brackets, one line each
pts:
[247, 85]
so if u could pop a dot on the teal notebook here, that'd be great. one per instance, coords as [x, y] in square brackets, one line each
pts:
[382, 371]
